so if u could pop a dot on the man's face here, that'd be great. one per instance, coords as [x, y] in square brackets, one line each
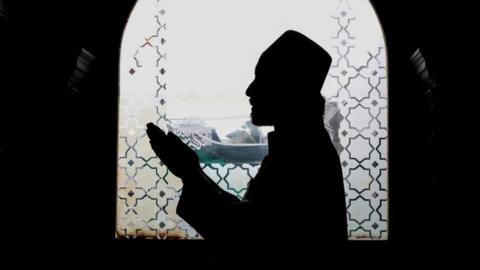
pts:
[262, 99]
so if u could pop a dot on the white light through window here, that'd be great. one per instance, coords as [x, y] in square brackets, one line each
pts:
[185, 65]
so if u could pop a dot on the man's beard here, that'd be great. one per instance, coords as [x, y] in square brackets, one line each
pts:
[253, 119]
[260, 120]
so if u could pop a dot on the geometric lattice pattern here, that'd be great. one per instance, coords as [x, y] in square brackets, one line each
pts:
[361, 96]
[147, 191]
[355, 115]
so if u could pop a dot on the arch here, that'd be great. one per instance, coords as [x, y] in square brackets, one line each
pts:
[167, 53]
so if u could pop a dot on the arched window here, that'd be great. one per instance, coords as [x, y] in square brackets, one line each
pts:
[173, 53]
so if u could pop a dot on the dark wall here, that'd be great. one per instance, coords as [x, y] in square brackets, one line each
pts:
[428, 176]
[58, 146]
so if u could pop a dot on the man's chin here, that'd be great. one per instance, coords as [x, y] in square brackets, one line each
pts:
[258, 121]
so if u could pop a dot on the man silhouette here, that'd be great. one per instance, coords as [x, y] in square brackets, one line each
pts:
[297, 197]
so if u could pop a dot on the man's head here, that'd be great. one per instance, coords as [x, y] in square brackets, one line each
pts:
[289, 76]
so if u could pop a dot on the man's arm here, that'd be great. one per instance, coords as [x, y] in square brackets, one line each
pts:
[213, 212]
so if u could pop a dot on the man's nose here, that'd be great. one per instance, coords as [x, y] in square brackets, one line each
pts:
[250, 89]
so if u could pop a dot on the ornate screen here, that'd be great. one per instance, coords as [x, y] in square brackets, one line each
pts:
[173, 54]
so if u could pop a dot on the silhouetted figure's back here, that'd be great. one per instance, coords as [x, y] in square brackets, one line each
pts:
[295, 206]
